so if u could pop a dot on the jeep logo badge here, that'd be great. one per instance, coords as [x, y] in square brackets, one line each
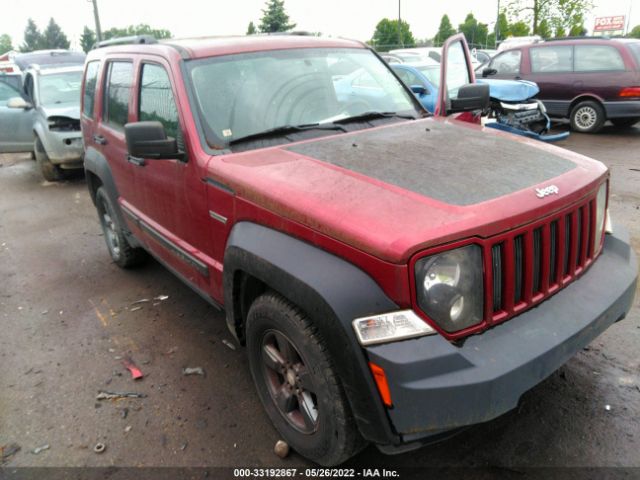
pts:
[550, 190]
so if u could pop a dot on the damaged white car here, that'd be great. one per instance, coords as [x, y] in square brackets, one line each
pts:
[45, 119]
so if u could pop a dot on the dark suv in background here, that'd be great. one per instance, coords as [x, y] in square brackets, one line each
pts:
[586, 80]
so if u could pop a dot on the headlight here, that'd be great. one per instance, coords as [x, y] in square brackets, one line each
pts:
[390, 327]
[601, 203]
[450, 288]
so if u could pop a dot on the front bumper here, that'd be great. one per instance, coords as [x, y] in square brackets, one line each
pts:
[437, 386]
[63, 148]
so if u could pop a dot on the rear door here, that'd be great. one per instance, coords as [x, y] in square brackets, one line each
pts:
[16, 124]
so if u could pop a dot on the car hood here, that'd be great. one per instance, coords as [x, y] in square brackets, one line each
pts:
[394, 190]
[510, 90]
[62, 110]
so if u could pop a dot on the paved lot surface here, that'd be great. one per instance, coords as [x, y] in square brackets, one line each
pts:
[68, 318]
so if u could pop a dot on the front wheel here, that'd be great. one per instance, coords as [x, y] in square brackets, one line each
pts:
[122, 253]
[50, 172]
[297, 383]
[587, 117]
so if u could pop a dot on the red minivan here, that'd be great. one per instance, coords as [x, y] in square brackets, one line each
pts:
[587, 80]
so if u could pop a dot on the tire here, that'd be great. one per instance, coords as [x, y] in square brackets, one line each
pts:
[587, 117]
[625, 122]
[289, 361]
[122, 253]
[50, 172]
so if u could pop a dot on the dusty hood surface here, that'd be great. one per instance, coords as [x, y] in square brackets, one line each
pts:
[62, 110]
[460, 168]
[394, 190]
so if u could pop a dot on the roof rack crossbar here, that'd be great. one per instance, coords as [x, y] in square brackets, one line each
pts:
[559, 39]
[132, 40]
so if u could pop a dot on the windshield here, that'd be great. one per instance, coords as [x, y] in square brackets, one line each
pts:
[244, 94]
[635, 49]
[432, 73]
[60, 88]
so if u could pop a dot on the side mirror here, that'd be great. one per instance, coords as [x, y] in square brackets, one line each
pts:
[19, 102]
[473, 96]
[149, 140]
[488, 71]
[418, 90]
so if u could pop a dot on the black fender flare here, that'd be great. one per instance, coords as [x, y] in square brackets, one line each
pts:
[331, 291]
[95, 163]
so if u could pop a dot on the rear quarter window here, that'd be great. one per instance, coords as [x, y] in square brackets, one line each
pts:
[551, 59]
[598, 58]
[90, 81]
[118, 91]
[635, 51]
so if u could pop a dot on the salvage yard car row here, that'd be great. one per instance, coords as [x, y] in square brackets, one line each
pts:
[382, 265]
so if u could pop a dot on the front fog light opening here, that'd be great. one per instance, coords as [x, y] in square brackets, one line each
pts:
[450, 287]
[390, 327]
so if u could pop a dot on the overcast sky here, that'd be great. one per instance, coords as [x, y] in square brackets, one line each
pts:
[347, 18]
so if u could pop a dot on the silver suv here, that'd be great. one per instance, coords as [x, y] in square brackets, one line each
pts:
[45, 118]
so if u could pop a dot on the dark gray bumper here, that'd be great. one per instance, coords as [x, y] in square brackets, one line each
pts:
[630, 108]
[437, 387]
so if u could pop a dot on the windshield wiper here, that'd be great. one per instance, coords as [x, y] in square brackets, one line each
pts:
[374, 114]
[285, 129]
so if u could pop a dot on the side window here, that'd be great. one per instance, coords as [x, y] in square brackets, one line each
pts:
[156, 99]
[598, 58]
[90, 79]
[551, 59]
[409, 78]
[7, 92]
[116, 98]
[507, 63]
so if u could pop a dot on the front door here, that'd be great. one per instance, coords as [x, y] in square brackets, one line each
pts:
[16, 124]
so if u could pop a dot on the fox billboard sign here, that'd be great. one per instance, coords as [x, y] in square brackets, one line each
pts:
[609, 24]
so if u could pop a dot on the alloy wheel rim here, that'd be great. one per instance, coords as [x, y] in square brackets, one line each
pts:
[110, 232]
[289, 382]
[586, 117]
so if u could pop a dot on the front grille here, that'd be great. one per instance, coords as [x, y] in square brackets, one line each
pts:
[530, 263]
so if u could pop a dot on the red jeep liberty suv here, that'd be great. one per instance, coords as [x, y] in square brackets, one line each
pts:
[395, 276]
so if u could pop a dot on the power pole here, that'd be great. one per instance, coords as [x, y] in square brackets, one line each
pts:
[399, 26]
[96, 16]
[497, 26]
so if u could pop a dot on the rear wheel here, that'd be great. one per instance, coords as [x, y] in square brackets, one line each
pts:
[587, 117]
[297, 383]
[50, 172]
[625, 122]
[122, 253]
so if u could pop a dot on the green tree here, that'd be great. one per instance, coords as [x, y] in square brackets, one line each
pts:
[33, 39]
[561, 14]
[577, 31]
[519, 29]
[444, 31]
[635, 33]
[475, 33]
[5, 43]
[275, 18]
[54, 37]
[140, 29]
[251, 29]
[560, 32]
[387, 36]
[544, 30]
[502, 27]
[88, 39]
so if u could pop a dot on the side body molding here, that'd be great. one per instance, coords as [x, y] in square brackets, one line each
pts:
[331, 291]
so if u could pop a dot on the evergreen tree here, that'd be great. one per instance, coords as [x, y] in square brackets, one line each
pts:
[54, 37]
[544, 30]
[444, 31]
[5, 43]
[475, 33]
[519, 29]
[33, 39]
[502, 27]
[635, 33]
[251, 29]
[140, 29]
[275, 18]
[386, 35]
[88, 39]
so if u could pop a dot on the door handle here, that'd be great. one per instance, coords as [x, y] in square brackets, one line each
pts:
[99, 139]
[137, 161]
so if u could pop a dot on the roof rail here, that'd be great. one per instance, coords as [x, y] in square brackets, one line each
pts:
[559, 39]
[132, 40]
[295, 33]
